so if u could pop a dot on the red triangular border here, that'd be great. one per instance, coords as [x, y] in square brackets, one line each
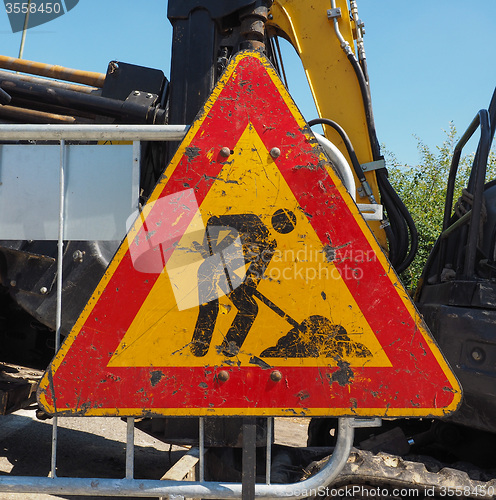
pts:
[419, 383]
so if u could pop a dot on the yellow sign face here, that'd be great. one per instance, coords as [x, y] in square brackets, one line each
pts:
[294, 275]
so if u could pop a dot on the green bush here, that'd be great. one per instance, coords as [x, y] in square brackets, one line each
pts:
[423, 190]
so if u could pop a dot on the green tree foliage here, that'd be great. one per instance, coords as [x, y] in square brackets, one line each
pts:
[423, 190]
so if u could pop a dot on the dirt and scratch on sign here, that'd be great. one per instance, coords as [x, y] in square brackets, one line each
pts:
[249, 285]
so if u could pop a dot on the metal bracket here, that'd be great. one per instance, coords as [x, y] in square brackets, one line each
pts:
[373, 165]
[361, 26]
[334, 13]
[360, 422]
[371, 211]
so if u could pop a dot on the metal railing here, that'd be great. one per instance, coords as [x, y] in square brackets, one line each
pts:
[476, 187]
[92, 132]
[129, 486]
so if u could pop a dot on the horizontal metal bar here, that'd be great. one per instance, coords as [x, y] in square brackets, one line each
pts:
[34, 116]
[143, 488]
[92, 132]
[189, 489]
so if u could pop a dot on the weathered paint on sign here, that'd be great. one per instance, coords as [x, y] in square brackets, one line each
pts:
[249, 285]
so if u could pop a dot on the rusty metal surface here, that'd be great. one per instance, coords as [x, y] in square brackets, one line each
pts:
[33, 116]
[52, 71]
[10, 76]
[250, 285]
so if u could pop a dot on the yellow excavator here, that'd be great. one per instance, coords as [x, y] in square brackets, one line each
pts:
[108, 290]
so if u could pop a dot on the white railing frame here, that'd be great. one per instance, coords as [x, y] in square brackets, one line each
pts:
[130, 486]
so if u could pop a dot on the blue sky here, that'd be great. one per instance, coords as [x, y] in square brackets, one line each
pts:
[430, 62]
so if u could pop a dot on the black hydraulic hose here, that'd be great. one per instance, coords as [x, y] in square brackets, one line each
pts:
[398, 229]
[397, 234]
[400, 220]
[384, 184]
[349, 147]
[392, 229]
[399, 243]
[363, 65]
[367, 103]
[392, 241]
[383, 181]
[398, 223]
[401, 227]
[391, 237]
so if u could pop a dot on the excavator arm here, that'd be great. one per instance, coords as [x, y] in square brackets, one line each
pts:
[328, 37]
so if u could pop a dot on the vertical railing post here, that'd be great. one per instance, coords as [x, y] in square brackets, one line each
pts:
[137, 166]
[130, 448]
[58, 312]
[268, 457]
[201, 446]
[249, 461]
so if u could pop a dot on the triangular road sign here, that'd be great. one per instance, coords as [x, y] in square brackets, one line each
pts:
[249, 285]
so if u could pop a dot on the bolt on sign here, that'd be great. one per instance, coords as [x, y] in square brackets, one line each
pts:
[249, 284]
